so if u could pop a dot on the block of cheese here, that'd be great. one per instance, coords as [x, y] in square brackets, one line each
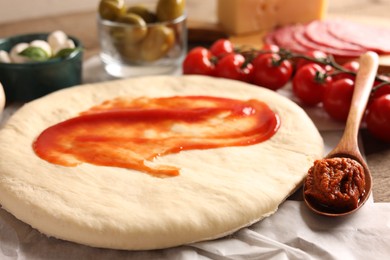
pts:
[248, 16]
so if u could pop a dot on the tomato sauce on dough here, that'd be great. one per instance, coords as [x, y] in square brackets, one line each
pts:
[131, 133]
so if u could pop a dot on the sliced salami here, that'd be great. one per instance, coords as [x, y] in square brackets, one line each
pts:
[300, 37]
[340, 38]
[317, 31]
[369, 37]
[284, 37]
[269, 38]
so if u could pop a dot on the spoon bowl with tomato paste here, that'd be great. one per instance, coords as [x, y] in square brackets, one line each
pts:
[341, 183]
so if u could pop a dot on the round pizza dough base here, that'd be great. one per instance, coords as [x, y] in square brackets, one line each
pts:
[218, 191]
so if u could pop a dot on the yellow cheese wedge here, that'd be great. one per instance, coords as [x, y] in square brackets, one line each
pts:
[248, 16]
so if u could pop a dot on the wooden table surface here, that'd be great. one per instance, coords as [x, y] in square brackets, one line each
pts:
[83, 26]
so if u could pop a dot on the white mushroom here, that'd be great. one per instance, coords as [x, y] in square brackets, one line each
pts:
[43, 45]
[4, 57]
[70, 44]
[14, 53]
[57, 40]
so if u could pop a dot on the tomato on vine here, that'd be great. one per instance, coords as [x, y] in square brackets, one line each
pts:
[198, 61]
[233, 66]
[270, 71]
[271, 48]
[319, 55]
[221, 47]
[309, 83]
[338, 97]
[380, 89]
[352, 66]
[378, 117]
[318, 78]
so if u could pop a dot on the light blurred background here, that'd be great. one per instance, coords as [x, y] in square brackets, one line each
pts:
[17, 10]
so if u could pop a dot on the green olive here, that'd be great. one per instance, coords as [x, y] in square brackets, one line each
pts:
[157, 43]
[168, 10]
[131, 18]
[145, 13]
[129, 52]
[134, 33]
[111, 9]
[132, 53]
[117, 34]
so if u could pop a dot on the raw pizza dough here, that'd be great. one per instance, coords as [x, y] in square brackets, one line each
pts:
[218, 191]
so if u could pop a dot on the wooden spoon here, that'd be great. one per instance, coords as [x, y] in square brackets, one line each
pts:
[348, 145]
[2, 98]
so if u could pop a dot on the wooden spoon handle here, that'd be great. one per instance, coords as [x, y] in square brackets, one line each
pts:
[2, 98]
[363, 84]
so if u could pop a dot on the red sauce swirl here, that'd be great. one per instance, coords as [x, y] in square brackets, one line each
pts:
[130, 133]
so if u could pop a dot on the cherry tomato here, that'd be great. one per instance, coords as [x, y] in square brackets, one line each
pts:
[270, 71]
[337, 98]
[270, 47]
[313, 54]
[383, 90]
[351, 66]
[231, 67]
[309, 83]
[247, 75]
[221, 47]
[198, 61]
[266, 49]
[378, 118]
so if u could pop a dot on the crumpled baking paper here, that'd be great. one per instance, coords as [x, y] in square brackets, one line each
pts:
[293, 232]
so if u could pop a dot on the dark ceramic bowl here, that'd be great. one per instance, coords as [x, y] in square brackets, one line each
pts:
[27, 81]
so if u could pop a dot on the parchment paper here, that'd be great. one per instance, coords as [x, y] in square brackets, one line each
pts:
[293, 232]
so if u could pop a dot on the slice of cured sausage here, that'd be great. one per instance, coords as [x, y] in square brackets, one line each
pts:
[299, 35]
[284, 37]
[317, 31]
[340, 38]
[368, 36]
